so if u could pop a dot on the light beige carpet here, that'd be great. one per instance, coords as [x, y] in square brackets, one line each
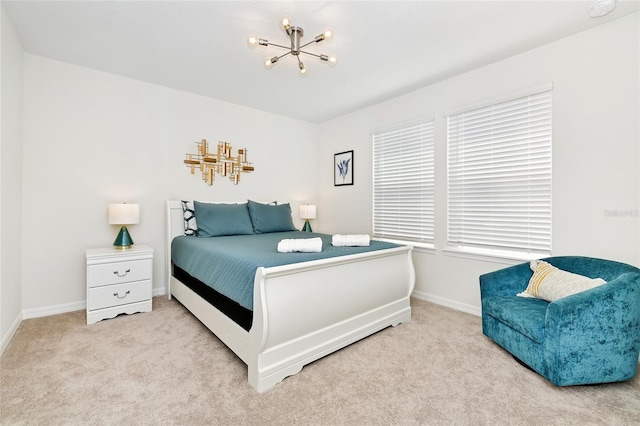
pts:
[164, 368]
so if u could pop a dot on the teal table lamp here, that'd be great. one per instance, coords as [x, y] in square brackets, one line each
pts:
[124, 214]
[307, 211]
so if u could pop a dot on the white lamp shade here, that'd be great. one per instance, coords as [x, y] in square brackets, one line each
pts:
[308, 211]
[124, 214]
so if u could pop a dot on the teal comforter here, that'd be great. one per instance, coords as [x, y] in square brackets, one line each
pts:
[228, 264]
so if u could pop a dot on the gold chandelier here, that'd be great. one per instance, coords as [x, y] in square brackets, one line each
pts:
[222, 162]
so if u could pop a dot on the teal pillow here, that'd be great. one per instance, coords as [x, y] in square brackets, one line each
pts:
[215, 220]
[270, 218]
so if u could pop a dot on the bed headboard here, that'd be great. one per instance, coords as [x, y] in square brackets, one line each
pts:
[175, 220]
[175, 227]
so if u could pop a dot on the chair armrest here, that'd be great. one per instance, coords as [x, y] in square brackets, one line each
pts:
[593, 326]
[614, 305]
[505, 282]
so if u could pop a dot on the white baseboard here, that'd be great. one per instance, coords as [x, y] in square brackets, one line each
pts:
[54, 310]
[160, 291]
[6, 339]
[470, 309]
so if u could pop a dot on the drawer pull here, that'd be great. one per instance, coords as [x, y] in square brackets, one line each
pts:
[123, 275]
[116, 294]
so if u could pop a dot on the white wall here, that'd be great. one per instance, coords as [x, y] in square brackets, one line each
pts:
[92, 138]
[596, 154]
[10, 180]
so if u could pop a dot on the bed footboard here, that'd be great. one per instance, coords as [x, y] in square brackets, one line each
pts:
[305, 311]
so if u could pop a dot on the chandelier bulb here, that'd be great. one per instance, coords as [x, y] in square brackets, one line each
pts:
[285, 23]
[268, 62]
[332, 60]
[252, 41]
[328, 34]
[303, 70]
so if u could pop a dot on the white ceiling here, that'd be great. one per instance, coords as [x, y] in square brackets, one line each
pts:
[384, 48]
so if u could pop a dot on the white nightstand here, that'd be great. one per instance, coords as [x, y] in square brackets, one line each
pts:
[118, 281]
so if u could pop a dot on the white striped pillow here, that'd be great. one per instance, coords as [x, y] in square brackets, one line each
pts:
[550, 283]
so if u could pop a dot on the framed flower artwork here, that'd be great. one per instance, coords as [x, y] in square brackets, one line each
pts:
[343, 168]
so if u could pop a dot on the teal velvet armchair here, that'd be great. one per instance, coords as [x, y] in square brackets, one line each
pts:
[586, 338]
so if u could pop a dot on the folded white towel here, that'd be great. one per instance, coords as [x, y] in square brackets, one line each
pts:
[350, 240]
[307, 245]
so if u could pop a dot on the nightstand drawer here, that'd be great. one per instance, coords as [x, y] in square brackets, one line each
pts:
[119, 272]
[118, 294]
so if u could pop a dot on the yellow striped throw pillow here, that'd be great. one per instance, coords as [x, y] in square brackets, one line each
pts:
[550, 283]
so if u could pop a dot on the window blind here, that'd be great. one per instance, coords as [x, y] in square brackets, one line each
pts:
[499, 176]
[403, 182]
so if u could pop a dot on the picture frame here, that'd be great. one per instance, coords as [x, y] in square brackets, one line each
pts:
[343, 168]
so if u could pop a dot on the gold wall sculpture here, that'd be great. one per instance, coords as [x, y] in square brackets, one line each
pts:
[222, 162]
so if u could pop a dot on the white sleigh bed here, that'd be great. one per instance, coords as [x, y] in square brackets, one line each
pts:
[300, 311]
